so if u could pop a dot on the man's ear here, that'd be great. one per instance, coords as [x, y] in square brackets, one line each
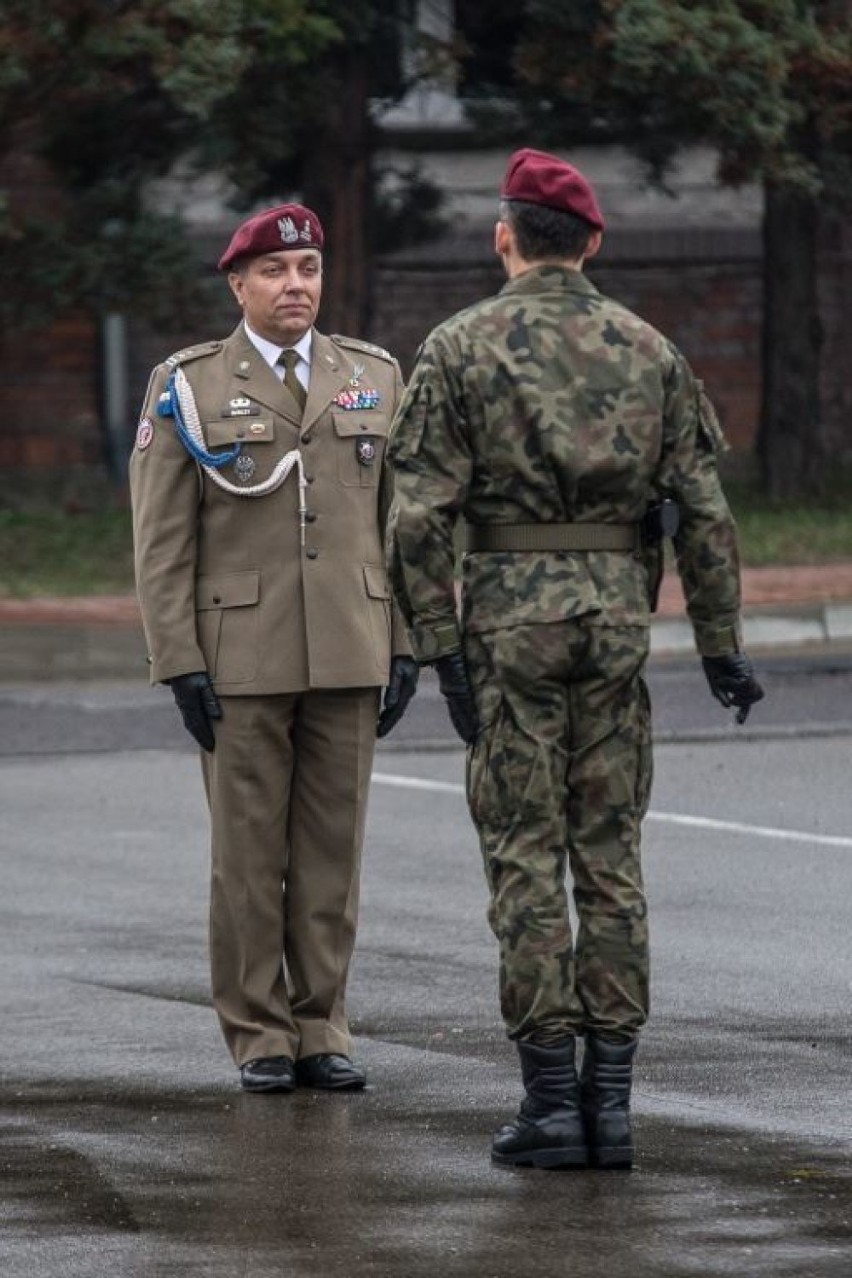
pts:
[593, 244]
[235, 281]
[502, 239]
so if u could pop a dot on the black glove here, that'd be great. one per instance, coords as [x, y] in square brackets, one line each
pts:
[198, 705]
[454, 682]
[732, 682]
[402, 685]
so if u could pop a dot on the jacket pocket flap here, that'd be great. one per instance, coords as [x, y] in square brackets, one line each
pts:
[239, 430]
[231, 590]
[376, 582]
[359, 422]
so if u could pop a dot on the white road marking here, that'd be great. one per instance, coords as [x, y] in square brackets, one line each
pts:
[669, 818]
[761, 831]
[418, 783]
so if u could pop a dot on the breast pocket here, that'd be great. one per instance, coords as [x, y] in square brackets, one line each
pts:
[227, 606]
[360, 438]
[228, 431]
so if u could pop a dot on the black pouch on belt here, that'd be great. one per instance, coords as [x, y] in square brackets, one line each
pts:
[661, 520]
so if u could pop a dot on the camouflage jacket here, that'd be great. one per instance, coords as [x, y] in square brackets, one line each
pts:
[551, 403]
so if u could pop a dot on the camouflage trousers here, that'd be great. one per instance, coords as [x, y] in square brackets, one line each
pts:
[559, 778]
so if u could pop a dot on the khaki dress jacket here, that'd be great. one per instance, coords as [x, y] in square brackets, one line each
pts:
[231, 583]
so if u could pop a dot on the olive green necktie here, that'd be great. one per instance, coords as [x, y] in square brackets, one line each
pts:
[288, 358]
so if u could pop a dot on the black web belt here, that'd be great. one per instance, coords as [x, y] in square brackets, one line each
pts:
[485, 537]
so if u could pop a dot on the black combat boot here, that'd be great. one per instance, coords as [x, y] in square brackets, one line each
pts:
[605, 1090]
[548, 1131]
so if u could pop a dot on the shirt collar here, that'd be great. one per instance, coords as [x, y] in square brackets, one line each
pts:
[271, 352]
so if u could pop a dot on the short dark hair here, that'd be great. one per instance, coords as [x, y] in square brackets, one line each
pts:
[543, 233]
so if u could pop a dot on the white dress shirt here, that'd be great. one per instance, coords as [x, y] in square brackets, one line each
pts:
[271, 353]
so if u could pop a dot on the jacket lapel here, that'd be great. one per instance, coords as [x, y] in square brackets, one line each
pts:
[330, 372]
[258, 380]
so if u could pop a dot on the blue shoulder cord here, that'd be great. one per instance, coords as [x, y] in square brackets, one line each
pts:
[169, 406]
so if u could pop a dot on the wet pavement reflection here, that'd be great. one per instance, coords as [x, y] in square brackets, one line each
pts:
[396, 1182]
[127, 1149]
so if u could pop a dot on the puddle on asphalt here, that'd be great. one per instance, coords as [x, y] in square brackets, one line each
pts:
[218, 1183]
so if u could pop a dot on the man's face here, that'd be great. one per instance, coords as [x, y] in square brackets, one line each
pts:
[280, 293]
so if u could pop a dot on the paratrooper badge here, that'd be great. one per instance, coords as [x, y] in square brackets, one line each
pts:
[240, 406]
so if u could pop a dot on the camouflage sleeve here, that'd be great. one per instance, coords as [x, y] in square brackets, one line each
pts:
[400, 645]
[706, 543]
[165, 490]
[431, 459]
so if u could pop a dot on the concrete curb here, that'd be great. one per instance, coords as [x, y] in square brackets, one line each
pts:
[769, 628]
[48, 648]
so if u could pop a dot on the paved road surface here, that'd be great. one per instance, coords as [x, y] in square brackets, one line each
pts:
[805, 693]
[128, 1149]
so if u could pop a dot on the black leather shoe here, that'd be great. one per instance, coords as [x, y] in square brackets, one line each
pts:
[268, 1074]
[330, 1073]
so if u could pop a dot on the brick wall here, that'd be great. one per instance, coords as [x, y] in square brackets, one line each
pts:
[50, 421]
[712, 312]
[49, 397]
[49, 381]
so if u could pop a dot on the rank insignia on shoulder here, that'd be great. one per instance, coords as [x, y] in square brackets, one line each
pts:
[365, 451]
[352, 399]
[144, 434]
[192, 352]
[355, 343]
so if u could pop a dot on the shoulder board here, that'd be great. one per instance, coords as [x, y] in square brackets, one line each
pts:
[354, 343]
[192, 352]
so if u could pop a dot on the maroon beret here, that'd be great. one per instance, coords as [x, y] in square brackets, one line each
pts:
[289, 226]
[538, 178]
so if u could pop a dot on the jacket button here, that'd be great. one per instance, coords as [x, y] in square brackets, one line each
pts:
[217, 599]
[310, 517]
[312, 553]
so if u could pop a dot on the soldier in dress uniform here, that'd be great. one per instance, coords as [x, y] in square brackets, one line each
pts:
[260, 496]
[569, 434]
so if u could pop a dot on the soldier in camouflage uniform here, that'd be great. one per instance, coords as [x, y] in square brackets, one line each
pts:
[563, 429]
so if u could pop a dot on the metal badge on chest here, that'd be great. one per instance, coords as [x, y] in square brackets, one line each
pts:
[356, 397]
[244, 468]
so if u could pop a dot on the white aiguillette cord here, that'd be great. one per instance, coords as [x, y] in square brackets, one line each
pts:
[275, 480]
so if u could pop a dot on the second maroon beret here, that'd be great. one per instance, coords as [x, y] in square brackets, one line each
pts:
[538, 178]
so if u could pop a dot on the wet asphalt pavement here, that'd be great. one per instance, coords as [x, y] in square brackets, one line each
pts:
[126, 1147]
